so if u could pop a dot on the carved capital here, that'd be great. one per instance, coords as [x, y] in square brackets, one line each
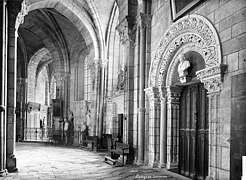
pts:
[104, 63]
[21, 81]
[153, 95]
[173, 95]
[21, 14]
[59, 79]
[212, 78]
[17, 11]
[163, 93]
[141, 109]
[126, 30]
[213, 84]
[94, 63]
[144, 20]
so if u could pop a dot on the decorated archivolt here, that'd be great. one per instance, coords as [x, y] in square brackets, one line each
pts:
[192, 31]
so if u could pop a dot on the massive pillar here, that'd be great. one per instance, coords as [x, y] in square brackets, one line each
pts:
[3, 96]
[143, 21]
[66, 94]
[163, 129]
[96, 86]
[16, 13]
[127, 37]
[102, 87]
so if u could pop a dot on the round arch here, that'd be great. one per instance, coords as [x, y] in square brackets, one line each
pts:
[193, 32]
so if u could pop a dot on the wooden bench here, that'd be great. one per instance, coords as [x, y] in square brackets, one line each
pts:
[119, 149]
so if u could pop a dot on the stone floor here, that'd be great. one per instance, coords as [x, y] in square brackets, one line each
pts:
[40, 161]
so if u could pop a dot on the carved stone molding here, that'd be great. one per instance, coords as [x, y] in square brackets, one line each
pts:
[209, 72]
[153, 95]
[126, 30]
[144, 20]
[192, 30]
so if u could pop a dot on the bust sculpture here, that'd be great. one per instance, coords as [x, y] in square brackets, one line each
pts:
[183, 65]
[182, 68]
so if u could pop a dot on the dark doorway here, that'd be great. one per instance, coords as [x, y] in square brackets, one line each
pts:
[193, 151]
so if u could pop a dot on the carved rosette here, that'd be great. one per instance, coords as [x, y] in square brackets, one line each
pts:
[126, 30]
[193, 29]
[212, 78]
[153, 95]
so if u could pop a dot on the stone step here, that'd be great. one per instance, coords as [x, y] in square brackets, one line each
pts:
[110, 161]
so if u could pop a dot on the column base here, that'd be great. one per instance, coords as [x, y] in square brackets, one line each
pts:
[11, 163]
[140, 162]
[172, 166]
[153, 164]
[3, 173]
[162, 165]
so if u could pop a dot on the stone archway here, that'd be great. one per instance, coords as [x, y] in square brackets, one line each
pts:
[190, 33]
[78, 17]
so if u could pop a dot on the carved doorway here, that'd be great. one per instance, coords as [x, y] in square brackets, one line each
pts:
[193, 140]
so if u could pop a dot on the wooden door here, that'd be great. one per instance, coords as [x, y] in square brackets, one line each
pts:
[193, 151]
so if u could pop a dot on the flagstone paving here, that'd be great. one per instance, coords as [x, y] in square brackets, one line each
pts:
[40, 161]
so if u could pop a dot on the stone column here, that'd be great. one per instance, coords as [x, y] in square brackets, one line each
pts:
[143, 21]
[163, 129]
[21, 109]
[173, 95]
[3, 96]
[97, 86]
[94, 67]
[154, 126]
[102, 88]
[66, 94]
[127, 37]
[214, 151]
[16, 12]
